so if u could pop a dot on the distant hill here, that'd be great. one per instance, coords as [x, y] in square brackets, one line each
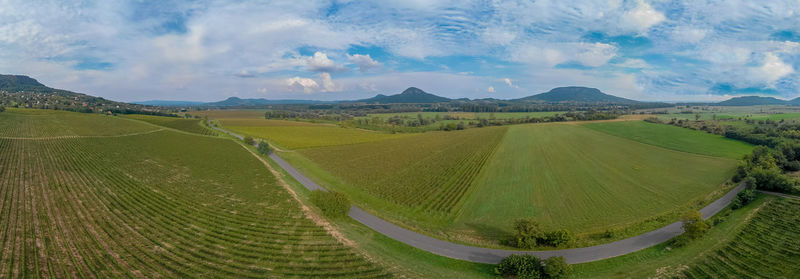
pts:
[410, 95]
[754, 101]
[576, 94]
[165, 103]
[239, 102]
[26, 92]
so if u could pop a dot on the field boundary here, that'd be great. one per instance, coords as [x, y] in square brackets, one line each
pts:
[493, 256]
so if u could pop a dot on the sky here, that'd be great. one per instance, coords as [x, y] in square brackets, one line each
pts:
[339, 50]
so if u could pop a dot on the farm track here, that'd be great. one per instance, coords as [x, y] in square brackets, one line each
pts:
[493, 256]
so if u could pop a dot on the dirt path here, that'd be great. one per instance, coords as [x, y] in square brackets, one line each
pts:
[493, 256]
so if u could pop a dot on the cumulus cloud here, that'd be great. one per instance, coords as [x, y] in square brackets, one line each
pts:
[321, 63]
[490, 89]
[508, 82]
[305, 85]
[364, 62]
[327, 82]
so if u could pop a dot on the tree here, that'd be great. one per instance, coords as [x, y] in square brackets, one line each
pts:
[771, 180]
[2, 108]
[693, 224]
[556, 267]
[528, 233]
[263, 148]
[559, 238]
[249, 140]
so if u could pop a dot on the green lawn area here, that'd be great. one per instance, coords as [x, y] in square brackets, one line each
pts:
[673, 137]
[572, 177]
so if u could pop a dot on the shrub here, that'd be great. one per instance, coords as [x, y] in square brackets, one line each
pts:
[263, 148]
[771, 180]
[693, 225]
[747, 195]
[2, 108]
[558, 238]
[332, 204]
[249, 140]
[556, 267]
[528, 233]
[520, 266]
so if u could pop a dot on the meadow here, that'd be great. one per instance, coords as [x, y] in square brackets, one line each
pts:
[162, 204]
[25, 123]
[676, 138]
[570, 177]
[183, 124]
[299, 135]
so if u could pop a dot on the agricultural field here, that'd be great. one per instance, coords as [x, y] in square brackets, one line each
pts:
[676, 138]
[299, 135]
[26, 123]
[786, 113]
[567, 176]
[230, 114]
[767, 247]
[430, 171]
[161, 204]
[184, 124]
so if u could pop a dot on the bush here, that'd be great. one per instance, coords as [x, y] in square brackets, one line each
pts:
[528, 233]
[520, 266]
[263, 148]
[2, 108]
[249, 140]
[693, 225]
[531, 267]
[771, 180]
[332, 204]
[559, 238]
[556, 267]
[747, 195]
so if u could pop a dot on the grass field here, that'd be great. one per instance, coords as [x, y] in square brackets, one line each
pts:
[163, 204]
[298, 135]
[677, 138]
[52, 123]
[568, 176]
[183, 124]
[430, 171]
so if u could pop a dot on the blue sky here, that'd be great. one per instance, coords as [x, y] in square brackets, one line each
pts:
[333, 50]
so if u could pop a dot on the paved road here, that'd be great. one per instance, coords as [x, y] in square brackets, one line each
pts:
[493, 256]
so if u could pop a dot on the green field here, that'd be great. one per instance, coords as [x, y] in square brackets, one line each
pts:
[162, 204]
[298, 135]
[673, 137]
[26, 123]
[568, 176]
[430, 171]
[183, 124]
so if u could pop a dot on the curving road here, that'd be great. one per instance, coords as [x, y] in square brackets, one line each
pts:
[493, 256]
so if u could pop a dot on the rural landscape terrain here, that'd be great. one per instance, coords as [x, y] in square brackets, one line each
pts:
[511, 139]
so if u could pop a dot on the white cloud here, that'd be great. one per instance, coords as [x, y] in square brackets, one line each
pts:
[327, 82]
[633, 63]
[772, 70]
[689, 34]
[321, 63]
[642, 17]
[490, 89]
[364, 62]
[588, 54]
[596, 54]
[508, 82]
[306, 85]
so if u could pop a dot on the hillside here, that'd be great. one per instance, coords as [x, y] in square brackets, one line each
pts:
[26, 92]
[410, 95]
[576, 94]
[753, 101]
[239, 102]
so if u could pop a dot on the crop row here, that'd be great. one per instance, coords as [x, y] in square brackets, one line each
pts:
[431, 171]
[184, 124]
[90, 208]
[768, 247]
[18, 123]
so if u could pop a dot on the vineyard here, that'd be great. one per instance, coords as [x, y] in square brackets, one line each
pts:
[571, 177]
[430, 171]
[162, 204]
[27, 123]
[184, 124]
[767, 247]
[298, 135]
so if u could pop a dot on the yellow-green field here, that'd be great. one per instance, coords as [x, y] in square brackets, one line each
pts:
[52, 123]
[298, 135]
[183, 124]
